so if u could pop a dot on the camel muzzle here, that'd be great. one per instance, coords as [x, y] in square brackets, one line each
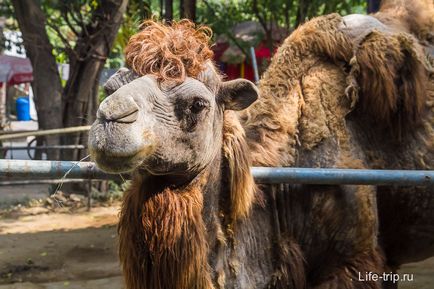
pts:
[118, 109]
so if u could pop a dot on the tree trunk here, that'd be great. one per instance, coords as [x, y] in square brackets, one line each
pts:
[2, 37]
[373, 6]
[3, 115]
[288, 10]
[92, 49]
[46, 84]
[168, 10]
[188, 9]
[161, 8]
[303, 7]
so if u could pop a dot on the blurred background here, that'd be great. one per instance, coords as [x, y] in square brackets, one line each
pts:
[55, 56]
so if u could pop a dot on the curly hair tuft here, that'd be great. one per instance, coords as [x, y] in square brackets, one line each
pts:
[169, 51]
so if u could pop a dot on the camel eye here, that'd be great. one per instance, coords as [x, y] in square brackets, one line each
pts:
[197, 106]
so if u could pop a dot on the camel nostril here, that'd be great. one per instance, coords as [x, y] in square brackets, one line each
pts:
[125, 117]
[128, 117]
[117, 109]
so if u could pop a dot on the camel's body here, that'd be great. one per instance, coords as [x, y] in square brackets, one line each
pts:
[324, 130]
[333, 96]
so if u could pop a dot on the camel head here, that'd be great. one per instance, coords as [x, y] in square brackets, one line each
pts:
[165, 114]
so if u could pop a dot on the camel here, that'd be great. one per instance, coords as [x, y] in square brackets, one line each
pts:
[345, 92]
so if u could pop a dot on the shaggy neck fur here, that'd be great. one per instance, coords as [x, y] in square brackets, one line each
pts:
[162, 235]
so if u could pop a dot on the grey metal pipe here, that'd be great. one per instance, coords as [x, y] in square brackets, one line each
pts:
[39, 182]
[65, 130]
[343, 176]
[26, 169]
[63, 147]
[13, 169]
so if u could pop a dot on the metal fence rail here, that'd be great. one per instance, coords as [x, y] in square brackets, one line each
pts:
[56, 131]
[26, 169]
[60, 147]
[23, 169]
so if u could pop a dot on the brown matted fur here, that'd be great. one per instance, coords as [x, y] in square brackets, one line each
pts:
[162, 237]
[170, 52]
[387, 81]
[415, 16]
[392, 77]
[236, 152]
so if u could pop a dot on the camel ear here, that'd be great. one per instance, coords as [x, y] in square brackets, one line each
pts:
[237, 94]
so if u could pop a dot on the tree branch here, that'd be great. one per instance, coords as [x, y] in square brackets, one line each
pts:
[69, 24]
[261, 19]
[68, 48]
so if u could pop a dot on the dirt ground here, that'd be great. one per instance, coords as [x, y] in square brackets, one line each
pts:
[40, 249]
[60, 250]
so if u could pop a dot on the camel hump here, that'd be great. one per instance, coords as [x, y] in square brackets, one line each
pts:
[389, 72]
[414, 16]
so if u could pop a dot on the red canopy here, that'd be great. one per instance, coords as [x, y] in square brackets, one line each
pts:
[15, 70]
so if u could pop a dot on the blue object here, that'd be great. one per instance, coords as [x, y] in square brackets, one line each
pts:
[23, 108]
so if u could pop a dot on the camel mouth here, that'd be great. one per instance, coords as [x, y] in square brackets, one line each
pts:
[119, 148]
[162, 170]
[112, 163]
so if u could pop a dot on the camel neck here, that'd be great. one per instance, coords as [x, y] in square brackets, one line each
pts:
[163, 236]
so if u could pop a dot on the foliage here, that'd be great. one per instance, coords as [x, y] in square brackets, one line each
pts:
[222, 15]
[6, 12]
[114, 191]
[136, 12]
[273, 15]
[67, 19]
